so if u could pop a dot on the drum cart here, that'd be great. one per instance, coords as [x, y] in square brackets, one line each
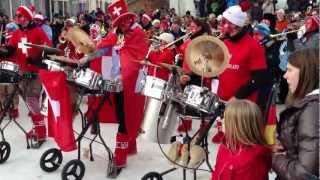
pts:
[12, 78]
[52, 158]
[88, 82]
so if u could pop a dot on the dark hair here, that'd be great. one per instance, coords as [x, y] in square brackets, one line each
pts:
[205, 28]
[272, 18]
[307, 60]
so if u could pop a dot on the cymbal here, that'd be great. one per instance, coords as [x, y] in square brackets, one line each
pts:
[207, 56]
[143, 62]
[45, 48]
[62, 59]
[80, 40]
[171, 67]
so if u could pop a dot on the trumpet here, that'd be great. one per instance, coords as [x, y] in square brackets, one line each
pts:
[288, 32]
[179, 39]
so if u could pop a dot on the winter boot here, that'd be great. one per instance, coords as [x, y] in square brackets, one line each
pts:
[120, 156]
[186, 125]
[121, 150]
[37, 135]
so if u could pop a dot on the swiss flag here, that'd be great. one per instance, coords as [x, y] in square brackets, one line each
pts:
[59, 109]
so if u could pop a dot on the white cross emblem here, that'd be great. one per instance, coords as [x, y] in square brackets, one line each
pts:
[116, 11]
[23, 47]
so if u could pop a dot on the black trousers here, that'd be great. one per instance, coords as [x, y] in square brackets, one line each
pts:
[119, 105]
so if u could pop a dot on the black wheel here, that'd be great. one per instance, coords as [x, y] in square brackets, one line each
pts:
[152, 176]
[51, 160]
[74, 169]
[5, 150]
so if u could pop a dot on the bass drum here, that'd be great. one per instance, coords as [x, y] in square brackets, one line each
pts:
[160, 119]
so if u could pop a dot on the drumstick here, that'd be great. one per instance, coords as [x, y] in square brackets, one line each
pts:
[62, 59]
[142, 62]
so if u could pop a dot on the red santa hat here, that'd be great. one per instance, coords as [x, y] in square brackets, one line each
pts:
[38, 17]
[147, 16]
[119, 10]
[312, 23]
[25, 11]
[164, 24]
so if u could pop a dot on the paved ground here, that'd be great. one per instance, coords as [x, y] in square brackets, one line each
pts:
[23, 164]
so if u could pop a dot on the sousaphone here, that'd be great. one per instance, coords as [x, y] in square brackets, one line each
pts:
[81, 40]
[207, 56]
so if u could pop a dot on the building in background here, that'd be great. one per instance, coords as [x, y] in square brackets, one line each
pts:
[51, 7]
[73, 7]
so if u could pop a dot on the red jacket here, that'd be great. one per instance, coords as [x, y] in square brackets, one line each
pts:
[156, 57]
[247, 55]
[248, 163]
[35, 36]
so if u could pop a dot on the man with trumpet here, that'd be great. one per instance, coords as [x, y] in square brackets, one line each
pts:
[246, 72]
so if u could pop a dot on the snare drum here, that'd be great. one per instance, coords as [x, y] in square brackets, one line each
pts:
[154, 87]
[110, 86]
[87, 78]
[9, 72]
[9, 67]
[199, 98]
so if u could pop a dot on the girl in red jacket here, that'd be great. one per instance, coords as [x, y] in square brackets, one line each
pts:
[244, 154]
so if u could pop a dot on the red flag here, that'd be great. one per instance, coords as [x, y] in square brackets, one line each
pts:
[59, 109]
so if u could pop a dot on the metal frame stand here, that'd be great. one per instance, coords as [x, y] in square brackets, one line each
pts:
[76, 167]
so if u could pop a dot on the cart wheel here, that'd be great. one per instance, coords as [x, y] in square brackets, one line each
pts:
[5, 150]
[51, 160]
[152, 176]
[74, 169]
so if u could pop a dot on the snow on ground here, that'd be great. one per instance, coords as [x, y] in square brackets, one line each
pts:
[23, 164]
